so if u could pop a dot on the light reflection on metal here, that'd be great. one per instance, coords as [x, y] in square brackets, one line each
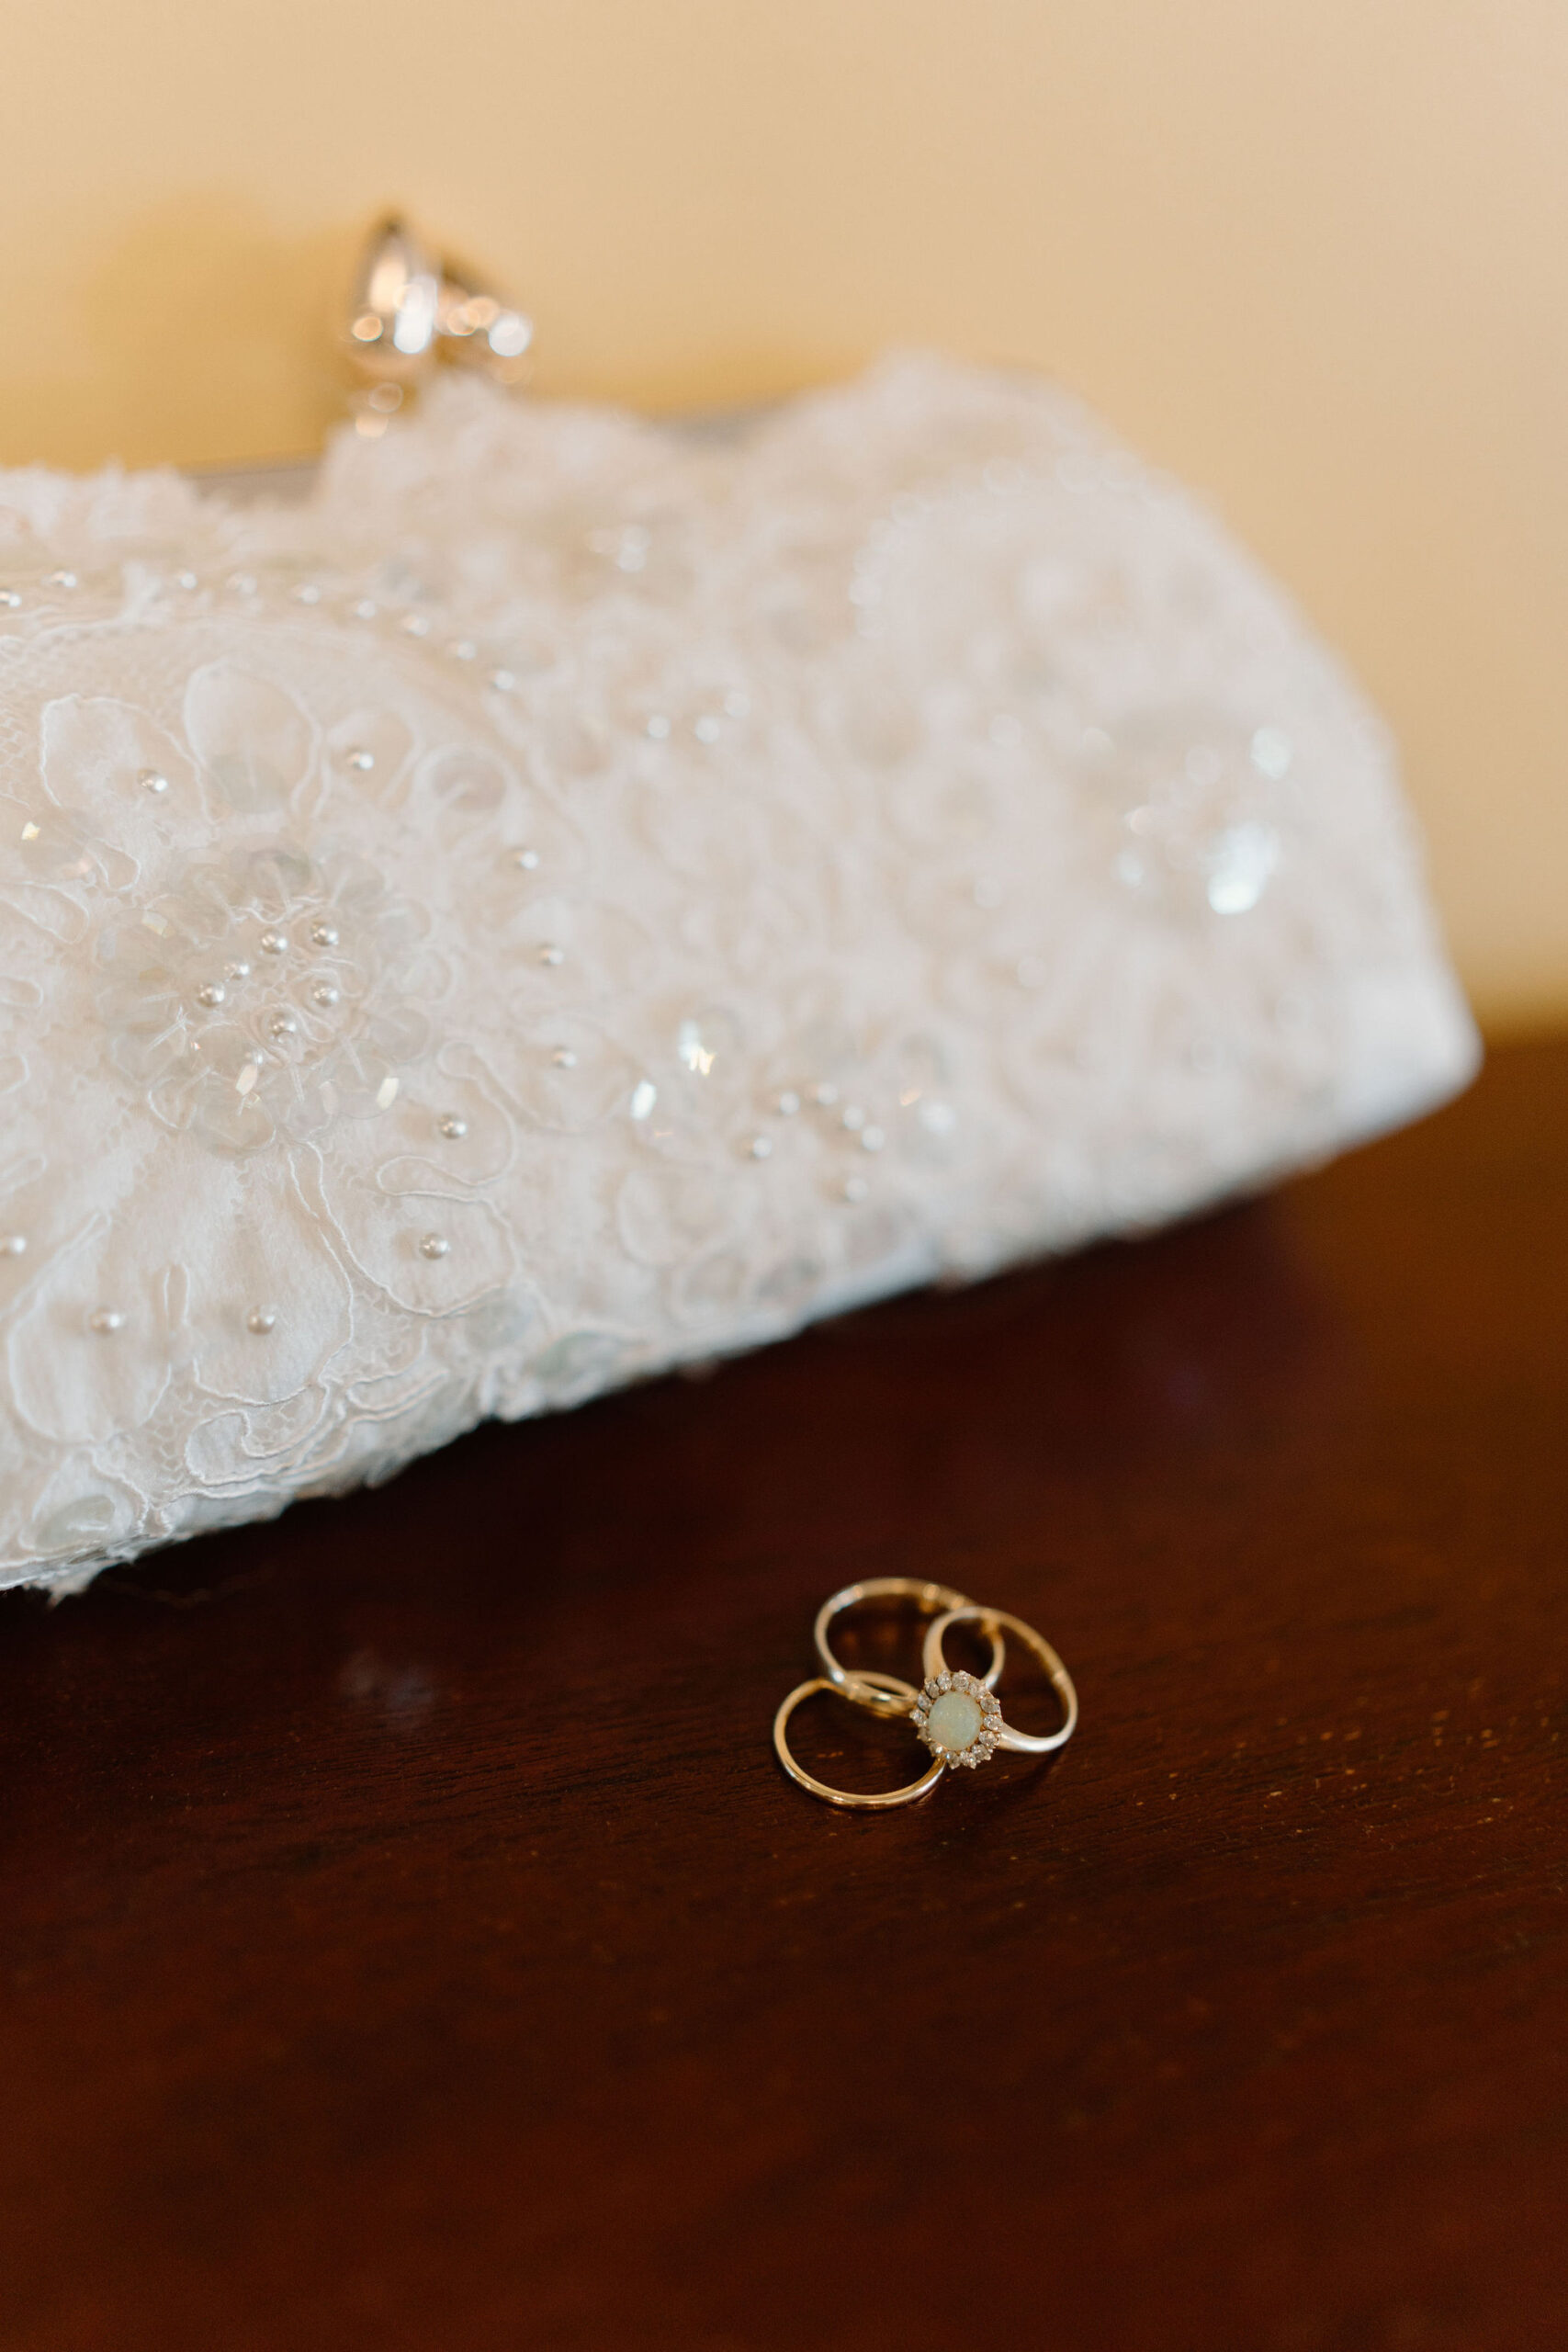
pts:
[407, 309]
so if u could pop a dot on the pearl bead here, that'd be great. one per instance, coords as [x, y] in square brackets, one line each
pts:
[1271, 752]
[323, 934]
[152, 780]
[552, 956]
[527, 859]
[855, 1188]
[211, 993]
[789, 1102]
[274, 942]
[106, 1321]
[325, 994]
[13, 1245]
[761, 1146]
[282, 1024]
[359, 759]
[261, 1320]
[452, 1127]
[564, 1059]
[434, 1245]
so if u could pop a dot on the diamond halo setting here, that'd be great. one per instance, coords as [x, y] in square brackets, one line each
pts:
[958, 1719]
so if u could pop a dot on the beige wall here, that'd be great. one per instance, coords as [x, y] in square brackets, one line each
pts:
[1312, 254]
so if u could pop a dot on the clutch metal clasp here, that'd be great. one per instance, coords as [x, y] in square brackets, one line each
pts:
[407, 311]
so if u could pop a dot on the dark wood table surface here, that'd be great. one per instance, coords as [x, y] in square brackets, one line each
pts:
[407, 1937]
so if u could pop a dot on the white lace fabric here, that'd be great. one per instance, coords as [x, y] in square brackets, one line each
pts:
[574, 895]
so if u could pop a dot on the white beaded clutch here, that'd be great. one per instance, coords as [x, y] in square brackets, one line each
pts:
[574, 895]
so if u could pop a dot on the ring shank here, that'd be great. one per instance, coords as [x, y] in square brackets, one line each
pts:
[848, 1800]
[888, 1694]
[990, 1621]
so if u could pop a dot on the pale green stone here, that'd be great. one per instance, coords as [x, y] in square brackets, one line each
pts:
[955, 1721]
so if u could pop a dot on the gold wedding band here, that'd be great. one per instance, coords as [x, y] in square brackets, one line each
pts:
[846, 1799]
[887, 1694]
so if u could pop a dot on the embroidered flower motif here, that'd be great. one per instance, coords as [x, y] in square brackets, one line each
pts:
[264, 1005]
[268, 993]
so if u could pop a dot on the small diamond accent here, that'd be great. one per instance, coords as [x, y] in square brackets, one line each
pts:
[957, 1708]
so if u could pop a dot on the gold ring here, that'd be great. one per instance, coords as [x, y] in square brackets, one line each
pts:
[846, 1798]
[887, 1694]
[959, 1720]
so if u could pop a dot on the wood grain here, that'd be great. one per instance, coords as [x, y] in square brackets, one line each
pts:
[407, 1939]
